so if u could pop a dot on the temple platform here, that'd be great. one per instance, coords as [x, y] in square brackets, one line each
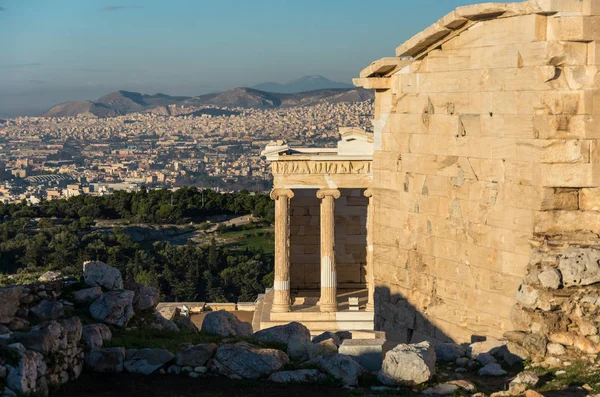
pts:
[306, 310]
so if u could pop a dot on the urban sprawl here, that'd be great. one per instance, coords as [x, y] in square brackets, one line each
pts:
[45, 158]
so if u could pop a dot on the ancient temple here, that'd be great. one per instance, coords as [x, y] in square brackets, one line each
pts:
[323, 260]
[482, 174]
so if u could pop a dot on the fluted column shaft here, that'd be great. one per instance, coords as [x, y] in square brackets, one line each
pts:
[370, 270]
[281, 285]
[328, 301]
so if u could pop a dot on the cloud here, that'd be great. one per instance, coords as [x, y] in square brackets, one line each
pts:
[2, 9]
[37, 81]
[117, 8]
[20, 65]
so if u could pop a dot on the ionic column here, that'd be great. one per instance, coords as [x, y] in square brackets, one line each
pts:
[370, 271]
[281, 285]
[328, 301]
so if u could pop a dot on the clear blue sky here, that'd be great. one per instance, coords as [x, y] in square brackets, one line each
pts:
[53, 51]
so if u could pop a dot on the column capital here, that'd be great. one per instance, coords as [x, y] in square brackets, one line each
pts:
[322, 193]
[276, 193]
[368, 192]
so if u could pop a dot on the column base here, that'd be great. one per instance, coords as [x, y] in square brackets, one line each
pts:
[370, 307]
[281, 308]
[328, 307]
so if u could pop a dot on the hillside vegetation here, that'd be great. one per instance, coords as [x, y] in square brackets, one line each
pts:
[60, 234]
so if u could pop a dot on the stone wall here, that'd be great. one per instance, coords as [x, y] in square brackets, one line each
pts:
[350, 238]
[486, 161]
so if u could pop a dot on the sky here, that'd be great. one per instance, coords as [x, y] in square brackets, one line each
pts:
[52, 51]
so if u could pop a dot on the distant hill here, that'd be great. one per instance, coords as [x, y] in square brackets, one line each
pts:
[124, 102]
[306, 83]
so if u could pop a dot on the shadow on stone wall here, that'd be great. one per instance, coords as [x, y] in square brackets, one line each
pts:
[404, 323]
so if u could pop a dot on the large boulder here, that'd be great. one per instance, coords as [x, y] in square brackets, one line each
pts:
[44, 338]
[341, 367]
[245, 361]
[158, 322]
[196, 356]
[114, 308]
[367, 352]
[47, 310]
[184, 324]
[22, 374]
[72, 330]
[298, 376]
[99, 274]
[283, 334]
[146, 297]
[94, 335]
[225, 324]
[146, 361]
[408, 365]
[449, 352]
[106, 360]
[9, 296]
[301, 350]
[87, 295]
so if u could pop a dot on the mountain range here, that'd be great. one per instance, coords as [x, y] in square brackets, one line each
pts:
[124, 102]
[306, 83]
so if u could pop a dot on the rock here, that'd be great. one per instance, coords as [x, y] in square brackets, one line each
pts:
[162, 324]
[465, 385]
[185, 324]
[585, 345]
[563, 338]
[50, 276]
[302, 351]
[555, 349]
[245, 361]
[341, 367]
[225, 324]
[94, 335]
[99, 274]
[17, 324]
[532, 393]
[283, 334]
[408, 364]
[146, 297]
[174, 369]
[47, 310]
[114, 308]
[449, 352]
[462, 361]
[146, 361]
[528, 296]
[196, 356]
[201, 369]
[87, 295]
[444, 389]
[527, 378]
[550, 279]
[4, 330]
[514, 354]
[580, 266]
[491, 346]
[486, 358]
[44, 338]
[9, 296]
[106, 360]
[72, 329]
[298, 376]
[587, 329]
[367, 352]
[338, 337]
[492, 369]
[22, 375]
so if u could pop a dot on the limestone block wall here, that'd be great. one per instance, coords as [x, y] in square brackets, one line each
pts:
[350, 238]
[488, 156]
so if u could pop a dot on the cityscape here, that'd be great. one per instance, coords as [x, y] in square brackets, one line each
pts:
[218, 147]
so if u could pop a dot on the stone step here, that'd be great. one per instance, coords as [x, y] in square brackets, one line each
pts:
[322, 326]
